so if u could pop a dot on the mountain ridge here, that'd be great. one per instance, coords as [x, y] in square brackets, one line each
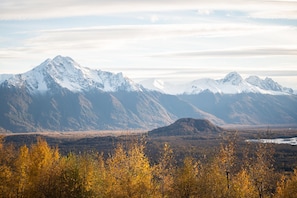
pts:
[232, 83]
[66, 73]
[61, 95]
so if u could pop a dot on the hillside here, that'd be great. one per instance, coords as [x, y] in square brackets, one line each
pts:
[187, 126]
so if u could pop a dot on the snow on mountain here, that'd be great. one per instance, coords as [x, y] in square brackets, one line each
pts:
[66, 73]
[232, 83]
[159, 85]
[268, 84]
[232, 78]
[4, 77]
[153, 84]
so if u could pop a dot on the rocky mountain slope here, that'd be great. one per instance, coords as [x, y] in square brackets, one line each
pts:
[247, 108]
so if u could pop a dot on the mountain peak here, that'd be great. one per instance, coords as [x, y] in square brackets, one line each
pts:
[233, 77]
[62, 58]
[59, 67]
[64, 72]
[66, 61]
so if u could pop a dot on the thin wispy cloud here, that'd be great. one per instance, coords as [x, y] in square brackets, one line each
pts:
[140, 32]
[240, 52]
[113, 37]
[34, 9]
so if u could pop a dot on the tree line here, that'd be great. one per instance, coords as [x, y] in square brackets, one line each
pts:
[39, 170]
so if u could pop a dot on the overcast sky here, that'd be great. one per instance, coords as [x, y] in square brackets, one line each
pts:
[164, 39]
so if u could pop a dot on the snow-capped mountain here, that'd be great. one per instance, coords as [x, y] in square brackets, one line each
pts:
[232, 83]
[59, 94]
[232, 78]
[268, 84]
[64, 72]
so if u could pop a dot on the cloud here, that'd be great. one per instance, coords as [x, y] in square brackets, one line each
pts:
[109, 36]
[204, 12]
[275, 14]
[239, 52]
[36, 9]
[145, 41]
[154, 18]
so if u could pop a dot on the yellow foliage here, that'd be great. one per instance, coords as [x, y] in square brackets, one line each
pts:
[23, 165]
[164, 172]
[6, 181]
[242, 186]
[261, 171]
[185, 183]
[129, 173]
[1, 142]
[287, 187]
[42, 156]
[40, 171]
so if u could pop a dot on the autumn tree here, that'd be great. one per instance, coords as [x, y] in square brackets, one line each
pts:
[100, 176]
[164, 171]
[7, 158]
[34, 169]
[227, 157]
[212, 181]
[129, 173]
[1, 142]
[261, 170]
[287, 186]
[22, 168]
[185, 182]
[242, 186]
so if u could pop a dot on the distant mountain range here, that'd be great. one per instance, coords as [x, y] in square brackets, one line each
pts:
[233, 83]
[59, 94]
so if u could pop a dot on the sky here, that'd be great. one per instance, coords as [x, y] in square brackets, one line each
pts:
[171, 40]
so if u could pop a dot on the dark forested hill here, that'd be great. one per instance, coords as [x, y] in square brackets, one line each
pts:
[187, 126]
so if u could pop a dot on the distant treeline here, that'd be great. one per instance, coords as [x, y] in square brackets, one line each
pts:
[41, 171]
